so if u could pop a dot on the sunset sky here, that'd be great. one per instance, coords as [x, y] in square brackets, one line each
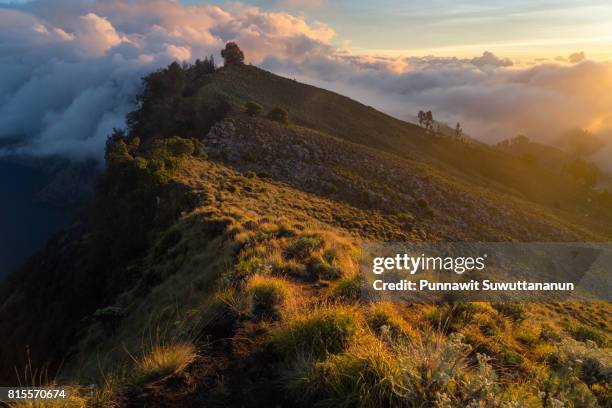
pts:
[512, 28]
[71, 68]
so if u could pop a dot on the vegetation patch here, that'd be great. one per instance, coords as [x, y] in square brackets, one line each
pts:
[369, 377]
[278, 115]
[109, 317]
[163, 361]
[348, 289]
[267, 296]
[324, 330]
[384, 319]
[585, 333]
[514, 311]
[303, 246]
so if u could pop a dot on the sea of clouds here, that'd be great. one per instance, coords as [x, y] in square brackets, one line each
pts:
[71, 68]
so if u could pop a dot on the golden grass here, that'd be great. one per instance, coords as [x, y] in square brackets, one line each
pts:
[346, 289]
[163, 361]
[366, 376]
[384, 318]
[325, 329]
[268, 295]
[35, 377]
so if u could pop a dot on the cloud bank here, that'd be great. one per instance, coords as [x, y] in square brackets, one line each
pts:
[493, 98]
[72, 68]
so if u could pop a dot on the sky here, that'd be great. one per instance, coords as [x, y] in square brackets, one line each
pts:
[514, 28]
[71, 68]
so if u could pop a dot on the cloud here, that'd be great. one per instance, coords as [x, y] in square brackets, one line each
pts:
[493, 98]
[71, 69]
[491, 60]
[576, 57]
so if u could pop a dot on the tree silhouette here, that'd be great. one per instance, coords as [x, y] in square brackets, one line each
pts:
[426, 120]
[422, 118]
[458, 131]
[232, 54]
[429, 120]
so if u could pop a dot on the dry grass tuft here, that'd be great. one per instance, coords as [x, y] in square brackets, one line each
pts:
[267, 295]
[163, 361]
[316, 333]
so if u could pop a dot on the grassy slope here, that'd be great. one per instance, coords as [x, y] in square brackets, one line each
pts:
[471, 164]
[250, 294]
[245, 227]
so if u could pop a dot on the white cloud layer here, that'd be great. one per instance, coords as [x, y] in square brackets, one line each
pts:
[493, 98]
[71, 69]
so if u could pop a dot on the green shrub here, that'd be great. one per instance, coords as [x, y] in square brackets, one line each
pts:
[303, 246]
[584, 333]
[320, 268]
[179, 147]
[514, 311]
[278, 115]
[198, 149]
[109, 317]
[347, 288]
[406, 218]
[507, 357]
[577, 365]
[252, 108]
[117, 151]
[317, 333]
[487, 325]
[369, 378]
[547, 333]
[453, 316]
[285, 231]
[267, 296]
[383, 318]
[247, 267]
[434, 367]
[528, 333]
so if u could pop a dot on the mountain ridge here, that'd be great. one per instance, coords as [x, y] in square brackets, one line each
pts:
[226, 246]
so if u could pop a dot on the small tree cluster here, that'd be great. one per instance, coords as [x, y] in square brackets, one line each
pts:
[169, 104]
[252, 108]
[278, 115]
[232, 54]
[426, 120]
[204, 67]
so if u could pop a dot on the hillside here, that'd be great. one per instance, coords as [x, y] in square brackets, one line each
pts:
[475, 164]
[220, 265]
